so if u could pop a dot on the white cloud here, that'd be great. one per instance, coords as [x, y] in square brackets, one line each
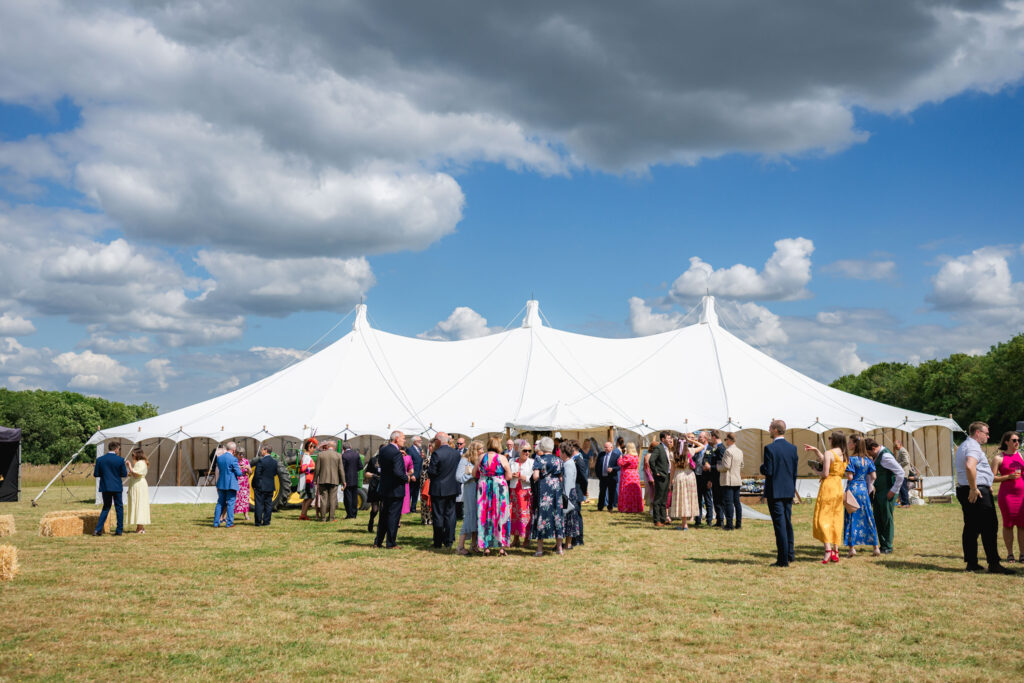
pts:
[160, 370]
[103, 344]
[88, 370]
[862, 269]
[227, 385]
[979, 282]
[784, 277]
[643, 321]
[279, 355]
[277, 287]
[12, 325]
[463, 323]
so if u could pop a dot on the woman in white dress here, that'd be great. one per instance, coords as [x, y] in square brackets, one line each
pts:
[138, 491]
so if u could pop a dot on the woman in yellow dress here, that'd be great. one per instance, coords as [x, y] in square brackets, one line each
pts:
[828, 508]
[138, 491]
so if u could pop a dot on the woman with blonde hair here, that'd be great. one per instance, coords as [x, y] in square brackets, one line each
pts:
[684, 487]
[630, 497]
[138, 490]
[828, 507]
[465, 474]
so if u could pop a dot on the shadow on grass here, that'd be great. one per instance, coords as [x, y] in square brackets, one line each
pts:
[920, 566]
[725, 560]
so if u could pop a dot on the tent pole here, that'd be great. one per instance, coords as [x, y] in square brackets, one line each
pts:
[55, 477]
[171, 457]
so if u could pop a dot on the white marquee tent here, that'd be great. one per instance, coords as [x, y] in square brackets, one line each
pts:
[532, 377]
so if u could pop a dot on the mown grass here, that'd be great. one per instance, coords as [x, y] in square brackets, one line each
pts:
[302, 600]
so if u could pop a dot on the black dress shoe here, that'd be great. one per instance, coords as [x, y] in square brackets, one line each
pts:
[778, 564]
[974, 568]
[97, 533]
[1000, 569]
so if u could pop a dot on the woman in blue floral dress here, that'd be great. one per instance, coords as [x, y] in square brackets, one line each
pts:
[859, 525]
[549, 521]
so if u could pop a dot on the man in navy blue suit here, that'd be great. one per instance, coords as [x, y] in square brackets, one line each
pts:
[228, 472]
[608, 476]
[444, 462]
[110, 470]
[779, 470]
[393, 479]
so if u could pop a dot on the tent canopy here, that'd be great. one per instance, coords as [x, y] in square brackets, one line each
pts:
[530, 377]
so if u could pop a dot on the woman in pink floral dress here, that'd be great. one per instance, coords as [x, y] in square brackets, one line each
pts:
[630, 497]
[521, 468]
[242, 501]
[493, 512]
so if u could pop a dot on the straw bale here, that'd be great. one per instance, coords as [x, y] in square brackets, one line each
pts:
[6, 525]
[8, 562]
[71, 523]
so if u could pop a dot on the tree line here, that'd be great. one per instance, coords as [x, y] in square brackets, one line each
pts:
[55, 424]
[989, 387]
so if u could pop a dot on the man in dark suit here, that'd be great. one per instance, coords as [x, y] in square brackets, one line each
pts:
[608, 476]
[582, 474]
[716, 451]
[328, 476]
[393, 479]
[351, 462]
[263, 474]
[110, 470]
[443, 488]
[660, 469]
[779, 470]
[702, 470]
[417, 471]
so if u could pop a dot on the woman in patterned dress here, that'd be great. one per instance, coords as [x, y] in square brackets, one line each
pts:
[307, 489]
[684, 487]
[630, 497]
[828, 506]
[466, 475]
[859, 525]
[1008, 468]
[548, 522]
[493, 511]
[242, 500]
[521, 469]
[425, 511]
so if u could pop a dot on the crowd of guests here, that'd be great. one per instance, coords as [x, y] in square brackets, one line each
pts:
[516, 494]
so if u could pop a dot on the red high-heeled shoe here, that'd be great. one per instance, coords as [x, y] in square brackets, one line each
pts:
[835, 556]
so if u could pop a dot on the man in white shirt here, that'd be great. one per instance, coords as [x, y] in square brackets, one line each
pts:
[974, 480]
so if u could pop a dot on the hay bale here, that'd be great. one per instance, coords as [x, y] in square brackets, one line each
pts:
[71, 523]
[6, 525]
[8, 562]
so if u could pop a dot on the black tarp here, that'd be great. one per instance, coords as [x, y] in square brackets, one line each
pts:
[10, 444]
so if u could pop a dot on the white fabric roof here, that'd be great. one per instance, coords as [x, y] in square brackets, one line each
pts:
[533, 376]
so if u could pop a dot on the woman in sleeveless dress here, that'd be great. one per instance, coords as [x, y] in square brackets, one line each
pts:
[407, 501]
[492, 506]
[684, 488]
[828, 507]
[1008, 466]
[859, 525]
[630, 497]
[138, 491]
[466, 475]
[521, 469]
[242, 499]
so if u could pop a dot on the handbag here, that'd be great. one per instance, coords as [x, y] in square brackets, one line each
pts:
[850, 502]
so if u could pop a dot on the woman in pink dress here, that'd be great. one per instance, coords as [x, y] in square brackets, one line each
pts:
[1009, 465]
[522, 470]
[630, 498]
[407, 502]
[242, 501]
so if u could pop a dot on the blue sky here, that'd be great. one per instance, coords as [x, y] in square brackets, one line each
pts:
[188, 200]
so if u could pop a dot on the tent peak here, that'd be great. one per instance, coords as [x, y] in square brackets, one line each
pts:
[708, 314]
[360, 322]
[532, 317]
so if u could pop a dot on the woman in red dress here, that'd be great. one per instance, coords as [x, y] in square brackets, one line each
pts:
[521, 469]
[630, 498]
[1009, 466]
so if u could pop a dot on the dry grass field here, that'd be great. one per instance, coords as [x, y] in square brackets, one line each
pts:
[302, 601]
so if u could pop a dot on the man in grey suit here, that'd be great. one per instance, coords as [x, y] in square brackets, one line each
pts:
[328, 475]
